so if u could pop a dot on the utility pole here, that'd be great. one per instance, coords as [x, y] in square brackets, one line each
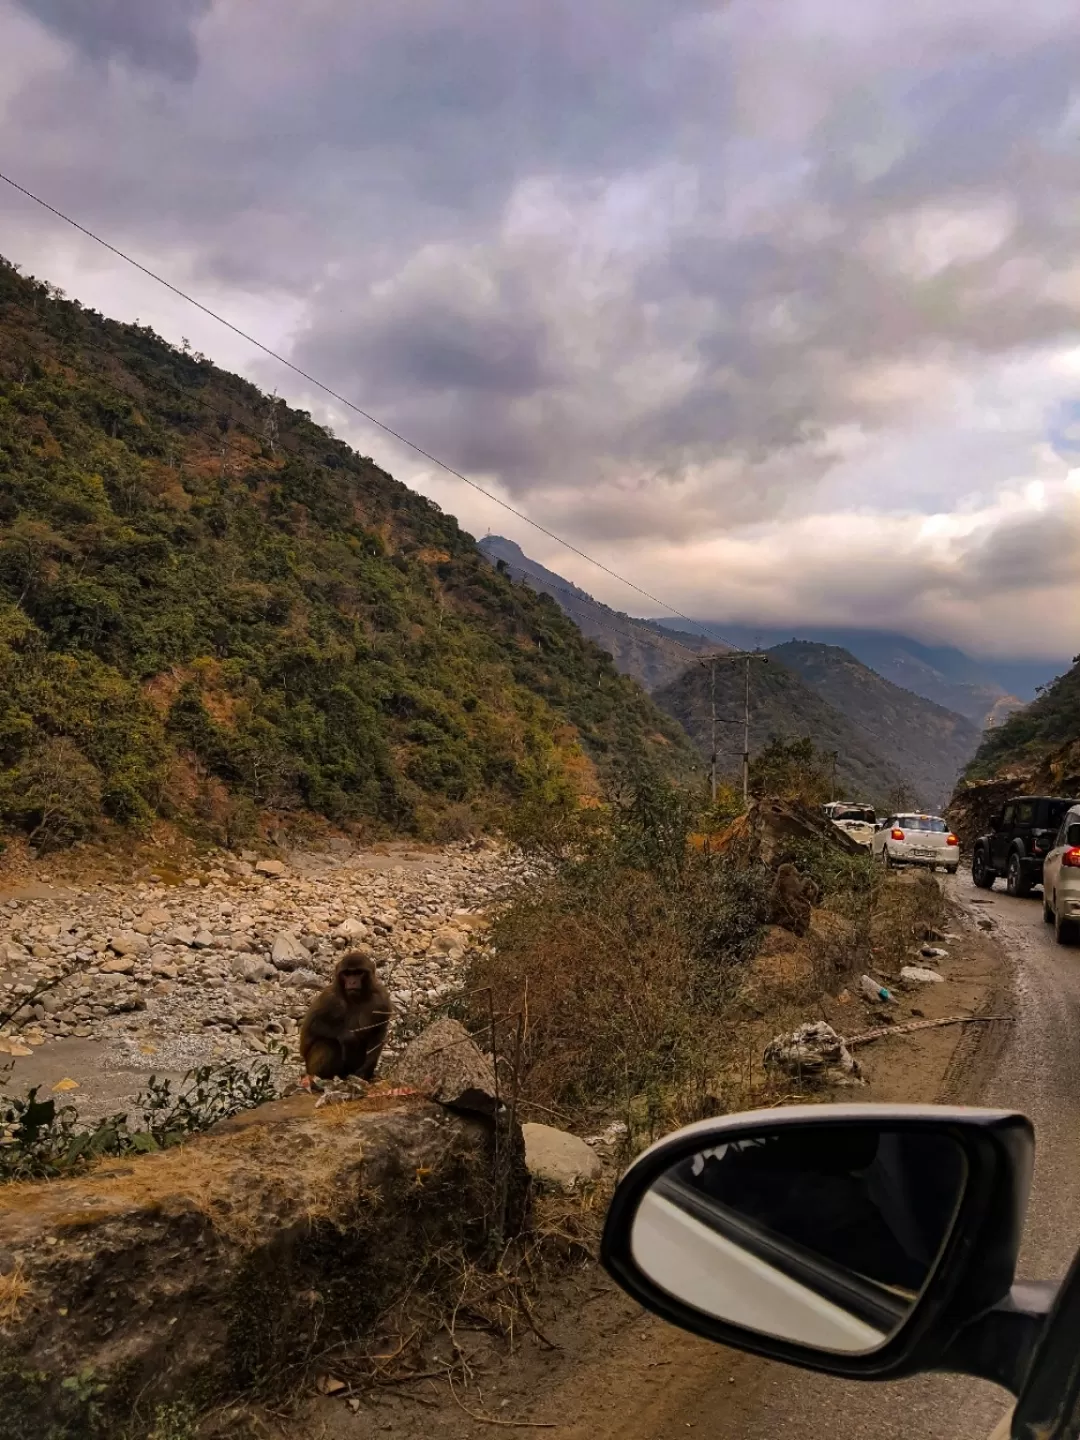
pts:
[712, 703]
[746, 740]
[746, 656]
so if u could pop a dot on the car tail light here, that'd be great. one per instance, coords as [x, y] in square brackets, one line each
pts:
[952, 840]
[1072, 857]
[897, 835]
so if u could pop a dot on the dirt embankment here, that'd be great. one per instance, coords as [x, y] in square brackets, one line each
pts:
[150, 1289]
[607, 1371]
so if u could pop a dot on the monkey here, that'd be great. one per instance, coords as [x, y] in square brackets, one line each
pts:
[345, 1027]
[792, 897]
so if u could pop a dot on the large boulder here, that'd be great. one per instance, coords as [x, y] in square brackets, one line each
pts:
[197, 1274]
[558, 1159]
[446, 1064]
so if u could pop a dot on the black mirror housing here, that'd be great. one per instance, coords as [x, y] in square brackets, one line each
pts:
[973, 1274]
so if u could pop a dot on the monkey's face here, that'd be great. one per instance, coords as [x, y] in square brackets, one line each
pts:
[355, 973]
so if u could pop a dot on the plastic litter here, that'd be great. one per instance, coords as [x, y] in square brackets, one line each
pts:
[813, 1050]
[873, 991]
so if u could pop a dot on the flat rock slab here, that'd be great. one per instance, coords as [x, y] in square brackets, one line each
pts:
[557, 1158]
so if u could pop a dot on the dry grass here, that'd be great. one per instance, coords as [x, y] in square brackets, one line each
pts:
[14, 1288]
[234, 1180]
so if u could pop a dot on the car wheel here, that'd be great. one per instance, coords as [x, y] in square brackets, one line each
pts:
[1048, 914]
[952, 869]
[1018, 883]
[981, 873]
[1064, 931]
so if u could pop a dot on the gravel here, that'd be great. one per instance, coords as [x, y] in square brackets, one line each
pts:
[224, 963]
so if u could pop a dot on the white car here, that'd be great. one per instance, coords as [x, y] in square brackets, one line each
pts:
[1061, 881]
[910, 839]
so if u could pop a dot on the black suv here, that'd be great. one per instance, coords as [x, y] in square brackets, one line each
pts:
[1023, 831]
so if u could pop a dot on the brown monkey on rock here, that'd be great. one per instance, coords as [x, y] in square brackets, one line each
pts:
[345, 1027]
[792, 897]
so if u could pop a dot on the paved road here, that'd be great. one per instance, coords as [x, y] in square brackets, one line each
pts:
[1038, 1071]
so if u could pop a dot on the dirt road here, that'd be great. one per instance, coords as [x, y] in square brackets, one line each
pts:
[638, 1379]
[1037, 1069]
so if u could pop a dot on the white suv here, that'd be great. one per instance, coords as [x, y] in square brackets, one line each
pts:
[1061, 881]
[917, 840]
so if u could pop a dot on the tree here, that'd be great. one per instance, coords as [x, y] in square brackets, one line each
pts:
[57, 790]
[792, 770]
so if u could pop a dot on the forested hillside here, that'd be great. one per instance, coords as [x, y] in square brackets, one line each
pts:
[929, 744]
[782, 706]
[1043, 738]
[210, 606]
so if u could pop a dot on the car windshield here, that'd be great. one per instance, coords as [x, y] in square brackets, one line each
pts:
[1056, 810]
[924, 822]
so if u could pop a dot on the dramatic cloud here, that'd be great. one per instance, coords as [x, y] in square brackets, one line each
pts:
[774, 304]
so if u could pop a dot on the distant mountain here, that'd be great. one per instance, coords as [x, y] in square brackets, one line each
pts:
[781, 705]
[927, 743]
[986, 692]
[652, 653]
[891, 734]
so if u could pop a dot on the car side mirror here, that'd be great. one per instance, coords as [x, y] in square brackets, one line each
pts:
[858, 1240]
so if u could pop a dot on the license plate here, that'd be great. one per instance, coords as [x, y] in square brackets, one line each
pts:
[922, 852]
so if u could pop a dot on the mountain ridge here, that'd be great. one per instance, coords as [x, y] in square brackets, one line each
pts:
[927, 742]
[899, 734]
[941, 673]
[653, 653]
[782, 706]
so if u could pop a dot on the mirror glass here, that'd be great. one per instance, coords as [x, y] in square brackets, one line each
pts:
[824, 1235]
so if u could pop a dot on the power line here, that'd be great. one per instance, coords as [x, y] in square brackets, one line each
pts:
[644, 631]
[343, 400]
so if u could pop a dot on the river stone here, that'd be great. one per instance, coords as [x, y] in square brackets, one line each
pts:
[917, 975]
[118, 965]
[446, 1064]
[287, 952]
[128, 943]
[447, 941]
[559, 1159]
[352, 929]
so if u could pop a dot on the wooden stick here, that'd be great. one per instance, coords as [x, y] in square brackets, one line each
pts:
[880, 1034]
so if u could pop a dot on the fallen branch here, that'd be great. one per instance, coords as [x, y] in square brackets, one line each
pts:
[884, 1030]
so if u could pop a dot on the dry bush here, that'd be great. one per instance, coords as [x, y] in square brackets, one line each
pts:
[623, 961]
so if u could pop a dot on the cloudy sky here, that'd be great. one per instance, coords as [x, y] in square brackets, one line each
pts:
[772, 305]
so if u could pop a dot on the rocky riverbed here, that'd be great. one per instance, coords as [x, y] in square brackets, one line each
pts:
[223, 962]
